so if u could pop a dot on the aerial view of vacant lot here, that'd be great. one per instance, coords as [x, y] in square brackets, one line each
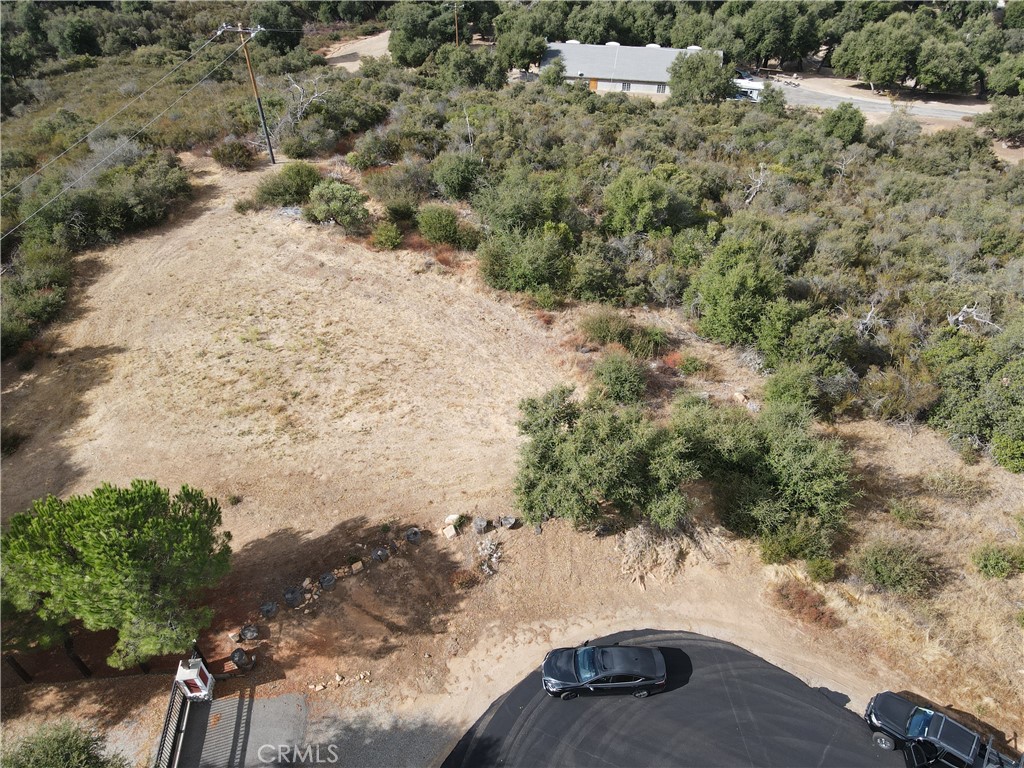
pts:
[496, 355]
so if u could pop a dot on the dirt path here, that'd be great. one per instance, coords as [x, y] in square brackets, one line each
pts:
[347, 55]
[331, 396]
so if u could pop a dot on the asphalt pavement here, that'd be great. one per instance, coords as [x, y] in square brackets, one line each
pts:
[805, 95]
[723, 706]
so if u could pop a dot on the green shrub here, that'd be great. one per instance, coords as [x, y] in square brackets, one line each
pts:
[122, 199]
[690, 365]
[235, 154]
[821, 569]
[292, 185]
[776, 480]
[1008, 451]
[794, 383]
[386, 236]
[898, 567]
[647, 341]
[907, 513]
[33, 292]
[902, 392]
[516, 261]
[61, 745]
[995, 561]
[401, 188]
[585, 460]
[468, 237]
[374, 148]
[456, 174]
[341, 203]
[621, 378]
[637, 201]
[606, 326]
[733, 287]
[438, 224]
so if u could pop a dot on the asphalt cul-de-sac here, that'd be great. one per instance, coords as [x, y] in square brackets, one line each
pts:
[723, 706]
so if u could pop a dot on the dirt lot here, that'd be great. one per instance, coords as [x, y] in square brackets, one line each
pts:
[347, 54]
[338, 396]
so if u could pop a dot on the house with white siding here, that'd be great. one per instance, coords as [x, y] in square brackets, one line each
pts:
[614, 67]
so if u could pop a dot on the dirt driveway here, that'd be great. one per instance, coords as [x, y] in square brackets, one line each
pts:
[348, 54]
[331, 396]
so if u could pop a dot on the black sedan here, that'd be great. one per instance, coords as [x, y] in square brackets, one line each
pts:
[568, 672]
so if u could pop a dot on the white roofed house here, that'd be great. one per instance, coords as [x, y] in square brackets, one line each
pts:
[614, 67]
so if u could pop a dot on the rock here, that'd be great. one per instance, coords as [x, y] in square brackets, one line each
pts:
[357, 566]
[452, 519]
[481, 524]
[450, 532]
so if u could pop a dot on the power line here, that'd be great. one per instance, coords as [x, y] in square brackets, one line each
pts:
[122, 109]
[120, 146]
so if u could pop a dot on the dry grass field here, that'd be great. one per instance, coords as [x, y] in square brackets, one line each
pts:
[331, 396]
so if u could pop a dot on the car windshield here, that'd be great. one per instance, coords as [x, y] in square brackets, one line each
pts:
[917, 726]
[586, 669]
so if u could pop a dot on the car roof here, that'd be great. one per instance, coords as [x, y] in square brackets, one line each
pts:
[625, 659]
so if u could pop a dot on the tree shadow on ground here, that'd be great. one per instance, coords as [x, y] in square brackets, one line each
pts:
[363, 741]
[370, 613]
[105, 701]
[41, 405]
[1008, 743]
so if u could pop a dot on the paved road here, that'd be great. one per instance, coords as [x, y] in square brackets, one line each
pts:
[723, 706]
[806, 96]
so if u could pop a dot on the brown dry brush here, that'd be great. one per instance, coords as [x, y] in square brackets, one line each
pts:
[805, 603]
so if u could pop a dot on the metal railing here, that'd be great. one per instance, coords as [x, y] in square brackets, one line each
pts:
[171, 732]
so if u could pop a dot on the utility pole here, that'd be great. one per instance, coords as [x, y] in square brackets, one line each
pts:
[252, 77]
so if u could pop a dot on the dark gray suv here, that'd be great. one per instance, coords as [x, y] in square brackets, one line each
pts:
[929, 738]
[568, 672]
